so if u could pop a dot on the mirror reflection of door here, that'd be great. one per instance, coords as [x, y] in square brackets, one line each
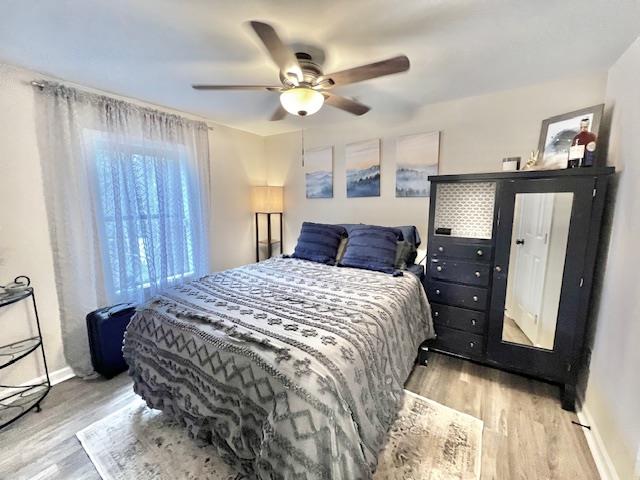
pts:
[536, 265]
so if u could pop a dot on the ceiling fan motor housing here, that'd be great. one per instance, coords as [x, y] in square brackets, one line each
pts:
[311, 71]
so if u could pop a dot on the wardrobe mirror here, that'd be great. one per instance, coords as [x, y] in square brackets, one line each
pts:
[536, 265]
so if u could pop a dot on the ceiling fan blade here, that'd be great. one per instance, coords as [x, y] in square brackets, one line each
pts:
[365, 72]
[279, 114]
[236, 87]
[281, 54]
[345, 104]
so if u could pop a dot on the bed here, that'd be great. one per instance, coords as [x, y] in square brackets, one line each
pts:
[291, 368]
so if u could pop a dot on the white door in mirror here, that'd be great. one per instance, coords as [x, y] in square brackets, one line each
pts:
[533, 215]
[536, 264]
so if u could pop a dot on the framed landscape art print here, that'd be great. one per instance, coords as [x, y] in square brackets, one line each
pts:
[318, 172]
[362, 161]
[416, 159]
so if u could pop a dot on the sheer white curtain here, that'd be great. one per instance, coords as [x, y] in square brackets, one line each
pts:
[127, 193]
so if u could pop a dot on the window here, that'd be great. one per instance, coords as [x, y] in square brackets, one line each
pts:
[146, 216]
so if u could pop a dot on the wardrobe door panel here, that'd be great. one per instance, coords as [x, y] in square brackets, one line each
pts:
[540, 250]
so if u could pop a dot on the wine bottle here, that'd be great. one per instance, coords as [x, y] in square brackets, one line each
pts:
[583, 146]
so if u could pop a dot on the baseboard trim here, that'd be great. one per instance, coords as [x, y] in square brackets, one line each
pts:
[55, 377]
[599, 452]
[59, 376]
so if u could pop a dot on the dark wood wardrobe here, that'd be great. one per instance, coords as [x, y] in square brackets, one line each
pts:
[510, 261]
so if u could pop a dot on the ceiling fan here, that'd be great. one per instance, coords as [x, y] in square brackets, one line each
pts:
[305, 88]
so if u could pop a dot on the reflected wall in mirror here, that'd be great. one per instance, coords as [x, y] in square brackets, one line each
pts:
[536, 266]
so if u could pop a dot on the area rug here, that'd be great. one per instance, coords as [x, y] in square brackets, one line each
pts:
[428, 441]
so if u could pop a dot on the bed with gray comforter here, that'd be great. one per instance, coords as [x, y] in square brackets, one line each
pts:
[292, 369]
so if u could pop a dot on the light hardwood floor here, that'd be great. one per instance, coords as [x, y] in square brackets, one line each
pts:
[526, 433]
[511, 332]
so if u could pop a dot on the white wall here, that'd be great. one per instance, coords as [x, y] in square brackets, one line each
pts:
[237, 162]
[25, 248]
[477, 133]
[613, 392]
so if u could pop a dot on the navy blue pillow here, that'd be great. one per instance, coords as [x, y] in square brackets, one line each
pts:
[319, 242]
[371, 248]
[398, 231]
[410, 234]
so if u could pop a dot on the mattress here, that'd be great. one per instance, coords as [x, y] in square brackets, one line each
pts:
[291, 369]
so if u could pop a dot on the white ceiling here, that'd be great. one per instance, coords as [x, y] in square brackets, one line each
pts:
[154, 49]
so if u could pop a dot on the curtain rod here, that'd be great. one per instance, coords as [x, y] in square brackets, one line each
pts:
[40, 85]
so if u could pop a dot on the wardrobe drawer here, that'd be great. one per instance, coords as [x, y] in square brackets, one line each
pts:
[457, 295]
[458, 318]
[448, 249]
[458, 342]
[459, 271]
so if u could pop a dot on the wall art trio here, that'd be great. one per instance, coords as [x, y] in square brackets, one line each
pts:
[416, 159]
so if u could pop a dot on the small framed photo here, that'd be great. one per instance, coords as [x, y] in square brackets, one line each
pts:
[560, 133]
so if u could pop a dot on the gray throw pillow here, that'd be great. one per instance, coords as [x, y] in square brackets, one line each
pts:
[341, 248]
[405, 254]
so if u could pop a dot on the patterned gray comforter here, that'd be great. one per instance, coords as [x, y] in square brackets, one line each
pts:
[292, 369]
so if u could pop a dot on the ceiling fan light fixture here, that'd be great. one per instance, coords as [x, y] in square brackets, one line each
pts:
[301, 101]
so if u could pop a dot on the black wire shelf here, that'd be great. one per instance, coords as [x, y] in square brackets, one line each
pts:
[9, 298]
[17, 400]
[13, 352]
[16, 404]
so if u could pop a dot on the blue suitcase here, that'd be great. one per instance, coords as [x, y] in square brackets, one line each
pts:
[106, 328]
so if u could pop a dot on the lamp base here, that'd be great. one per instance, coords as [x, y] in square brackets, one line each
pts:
[267, 245]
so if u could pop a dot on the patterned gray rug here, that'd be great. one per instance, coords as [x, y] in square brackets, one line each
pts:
[427, 442]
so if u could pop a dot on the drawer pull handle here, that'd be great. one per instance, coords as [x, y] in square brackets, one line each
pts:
[441, 249]
[439, 268]
[475, 298]
[436, 314]
[437, 292]
[477, 274]
[480, 253]
[473, 321]
[498, 268]
[471, 344]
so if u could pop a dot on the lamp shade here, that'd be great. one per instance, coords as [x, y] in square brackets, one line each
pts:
[301, 101]
[268, 199]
